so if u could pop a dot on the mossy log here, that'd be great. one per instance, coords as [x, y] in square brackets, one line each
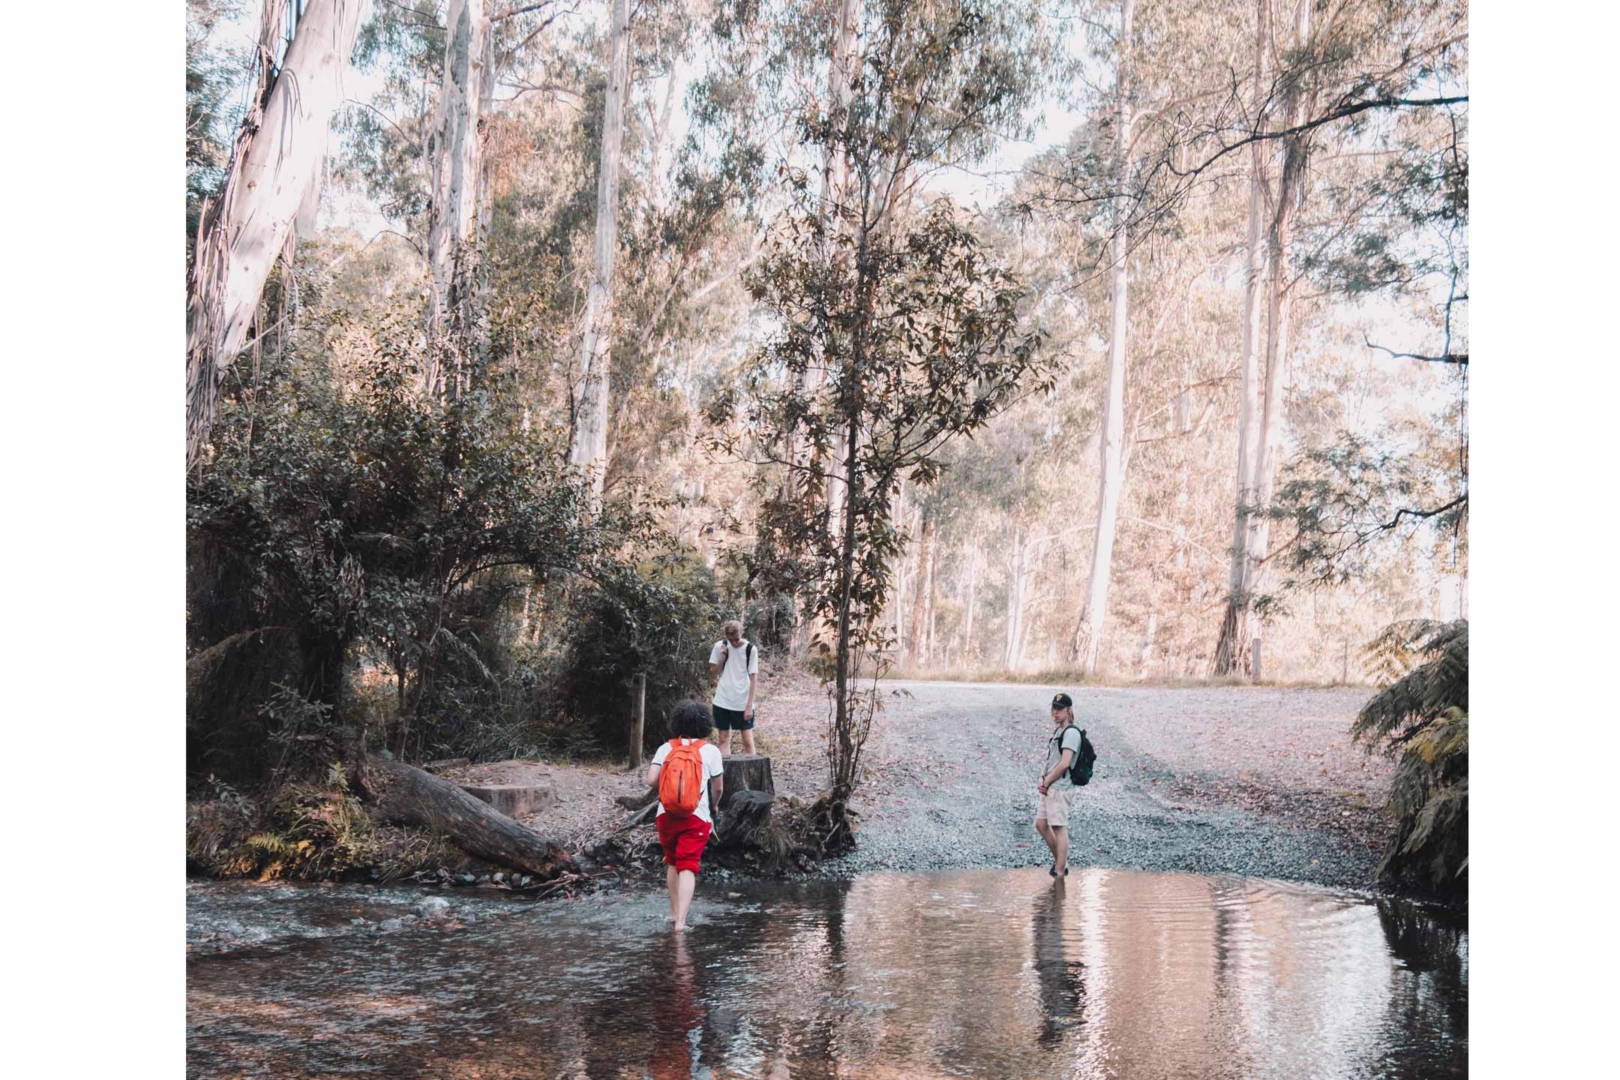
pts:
[405, 795]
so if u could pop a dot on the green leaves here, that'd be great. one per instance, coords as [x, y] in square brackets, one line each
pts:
[1423, 716]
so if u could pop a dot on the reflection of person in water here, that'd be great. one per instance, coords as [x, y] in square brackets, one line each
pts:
[1061, 980]
[679, 1014]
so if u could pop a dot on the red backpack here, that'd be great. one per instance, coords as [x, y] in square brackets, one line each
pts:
[680, 784]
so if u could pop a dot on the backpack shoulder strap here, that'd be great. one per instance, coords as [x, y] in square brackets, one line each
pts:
[748, 655]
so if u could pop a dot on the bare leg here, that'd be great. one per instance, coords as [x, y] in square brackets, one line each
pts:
[748, 740]
[671, 882]
[681, 895]
[1060, 849]
[1046, 834]
[725, 742]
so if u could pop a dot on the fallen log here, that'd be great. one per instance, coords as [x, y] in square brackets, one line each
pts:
[405, 795]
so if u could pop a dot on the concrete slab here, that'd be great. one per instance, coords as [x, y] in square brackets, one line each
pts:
[514, 800]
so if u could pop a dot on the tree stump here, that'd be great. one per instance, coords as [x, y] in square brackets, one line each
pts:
[749, 772]
[746, 804]
[741, 818]
[405, 795]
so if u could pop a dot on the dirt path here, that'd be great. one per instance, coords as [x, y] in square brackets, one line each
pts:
[1260, 782]
[1255, 781]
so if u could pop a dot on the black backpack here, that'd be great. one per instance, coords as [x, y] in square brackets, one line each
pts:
[1080, 768]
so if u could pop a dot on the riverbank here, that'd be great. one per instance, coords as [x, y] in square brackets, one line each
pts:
[1243, 780]
[1249, 781]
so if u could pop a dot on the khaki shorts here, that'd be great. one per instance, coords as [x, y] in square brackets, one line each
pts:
[1053, 807]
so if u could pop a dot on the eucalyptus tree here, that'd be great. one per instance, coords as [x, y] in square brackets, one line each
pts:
[455, 155]
[1093, 616]
[915, 324]
[274, 163]
[1351, 80]
[589, 446]
[1232, 648]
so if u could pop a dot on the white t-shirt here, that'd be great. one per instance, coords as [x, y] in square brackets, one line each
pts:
[731, 692]
[1070, 740]
[713, 765]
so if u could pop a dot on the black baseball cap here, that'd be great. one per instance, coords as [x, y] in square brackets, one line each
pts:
[1063, 701]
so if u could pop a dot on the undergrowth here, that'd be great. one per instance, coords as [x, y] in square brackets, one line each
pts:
[304, 830]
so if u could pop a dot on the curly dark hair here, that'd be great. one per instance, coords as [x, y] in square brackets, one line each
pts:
[690, 720]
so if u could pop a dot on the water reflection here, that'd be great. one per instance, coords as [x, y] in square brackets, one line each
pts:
[979, 973]
[1061, 978]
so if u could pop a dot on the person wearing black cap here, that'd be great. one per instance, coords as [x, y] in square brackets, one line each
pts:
[1052, 807]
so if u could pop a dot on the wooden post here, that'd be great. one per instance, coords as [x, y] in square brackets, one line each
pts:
[1345, 677]
[638, 722]
[1254, 662]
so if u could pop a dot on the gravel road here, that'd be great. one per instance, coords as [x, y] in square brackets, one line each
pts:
[1259, 782]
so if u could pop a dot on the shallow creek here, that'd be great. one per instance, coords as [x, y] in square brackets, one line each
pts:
[976, 973]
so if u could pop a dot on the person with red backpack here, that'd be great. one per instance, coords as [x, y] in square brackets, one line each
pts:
[689, 775]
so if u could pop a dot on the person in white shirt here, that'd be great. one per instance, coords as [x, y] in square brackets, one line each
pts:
[733, 664]
[683, 832]
[1054, 785]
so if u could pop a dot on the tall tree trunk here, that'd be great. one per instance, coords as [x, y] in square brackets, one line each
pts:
[843, 771]
[968, 648]
[928, 615]
[277, 155]
[1094, 616]
[921, 590]
[589, 449]
[455, 151]
[1232, 648]
[1290, 194]
[1015, 602]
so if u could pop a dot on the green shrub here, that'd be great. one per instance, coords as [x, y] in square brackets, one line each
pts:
[657, 617]
[341, 517]
[1422, 715]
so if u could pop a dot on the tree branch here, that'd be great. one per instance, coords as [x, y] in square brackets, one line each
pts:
[1460, 359]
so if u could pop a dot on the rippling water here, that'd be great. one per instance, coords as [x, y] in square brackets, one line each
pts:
[1112, 973]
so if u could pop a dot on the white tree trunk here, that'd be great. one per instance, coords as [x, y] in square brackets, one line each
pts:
[455, 152]
[589, 450]
[1290, 189]
[1094, 617]
[1015, 602]
[1233, 645]
[928, 616]
[968, 648]
[278, 153]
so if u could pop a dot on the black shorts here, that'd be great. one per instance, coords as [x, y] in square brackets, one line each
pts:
[729, 719]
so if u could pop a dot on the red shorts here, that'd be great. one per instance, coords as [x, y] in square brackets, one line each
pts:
[683, 840]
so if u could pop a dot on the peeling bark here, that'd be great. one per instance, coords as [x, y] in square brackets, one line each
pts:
[589, 449]
[456, 150]
[278, 153]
